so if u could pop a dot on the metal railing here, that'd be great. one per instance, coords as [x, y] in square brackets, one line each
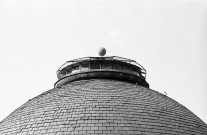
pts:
[141, 72]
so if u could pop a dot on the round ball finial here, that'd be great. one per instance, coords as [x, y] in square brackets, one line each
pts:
[102, 51]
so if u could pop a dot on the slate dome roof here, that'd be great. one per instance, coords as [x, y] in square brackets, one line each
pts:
[100, 96]
[102, 106]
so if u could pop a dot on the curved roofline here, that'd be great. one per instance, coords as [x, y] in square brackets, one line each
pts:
[102, 74]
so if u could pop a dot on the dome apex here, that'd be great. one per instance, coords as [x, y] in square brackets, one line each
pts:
[112, 67]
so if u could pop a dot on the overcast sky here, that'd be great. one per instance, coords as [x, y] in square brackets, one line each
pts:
[168, 38]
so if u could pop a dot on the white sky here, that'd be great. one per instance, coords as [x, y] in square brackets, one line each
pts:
[168, 38]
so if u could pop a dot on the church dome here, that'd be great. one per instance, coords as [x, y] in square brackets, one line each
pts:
[86, 103]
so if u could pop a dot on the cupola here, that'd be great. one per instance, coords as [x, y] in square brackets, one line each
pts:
[111, 67]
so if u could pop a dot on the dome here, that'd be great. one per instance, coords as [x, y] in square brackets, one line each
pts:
[102, 106]
[102, 95]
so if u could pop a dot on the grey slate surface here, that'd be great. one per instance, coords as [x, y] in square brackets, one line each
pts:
[102, 107]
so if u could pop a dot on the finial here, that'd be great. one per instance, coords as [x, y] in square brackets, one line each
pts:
[101, 51]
